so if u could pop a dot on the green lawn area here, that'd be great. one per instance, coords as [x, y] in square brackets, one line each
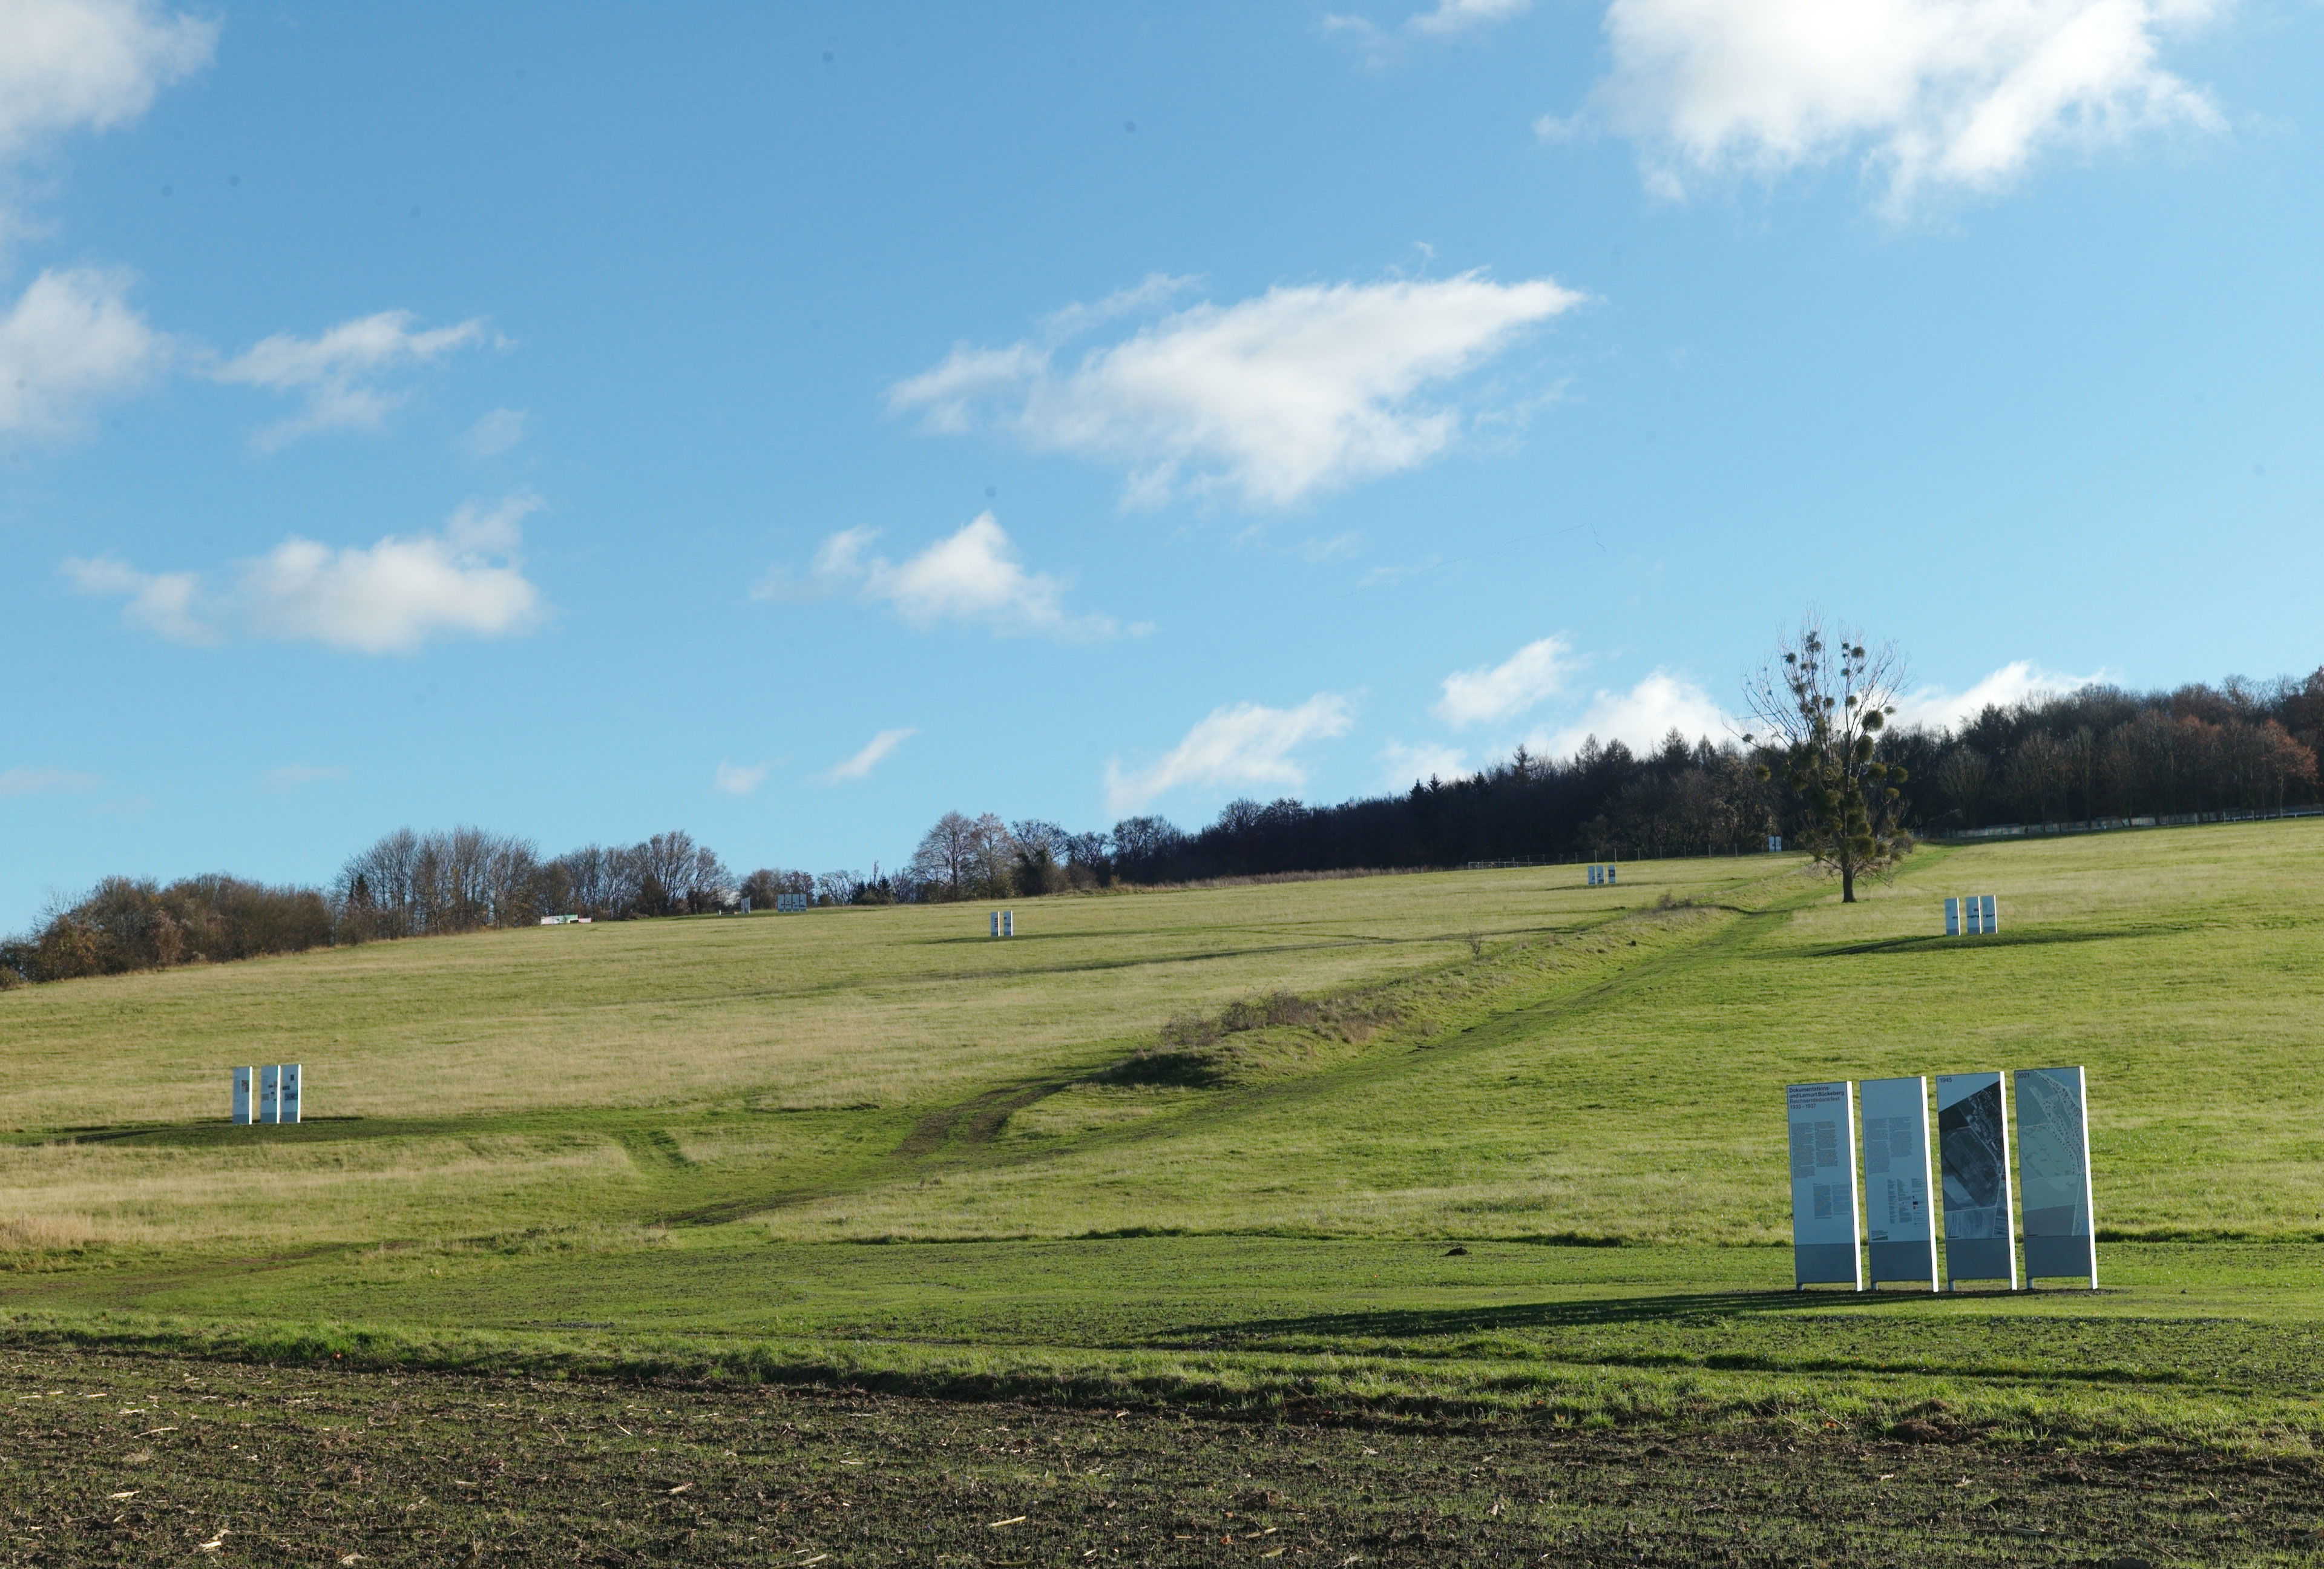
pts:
[877, 1147]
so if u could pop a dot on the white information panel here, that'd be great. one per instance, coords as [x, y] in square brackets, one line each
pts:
[1953, 918]
[1823, 1185]
[288, 1101]
[270, 1089]
[1973, 1145]
[1897, 1216]
[2053, 1167]
[243, 1084]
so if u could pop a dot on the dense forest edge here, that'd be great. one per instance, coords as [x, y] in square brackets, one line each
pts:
[2095, 756]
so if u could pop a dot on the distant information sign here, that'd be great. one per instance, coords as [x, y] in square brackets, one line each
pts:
[1823, 1185]
[1973, 1140]
[1897, 1180]
[2053, 1167]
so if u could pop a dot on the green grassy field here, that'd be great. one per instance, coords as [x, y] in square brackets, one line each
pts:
[1515, 1157]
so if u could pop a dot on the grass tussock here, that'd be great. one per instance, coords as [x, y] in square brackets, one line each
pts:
[1203, 1050]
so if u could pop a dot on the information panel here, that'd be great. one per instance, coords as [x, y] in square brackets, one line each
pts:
[1897, 1180]
[243, 1099]
[289, 1103]
[1824, 1227]
[270, 1089]
[1973, 1140]
[2053, 1168]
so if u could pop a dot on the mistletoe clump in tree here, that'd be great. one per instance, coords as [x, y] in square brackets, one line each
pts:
[1823, 705]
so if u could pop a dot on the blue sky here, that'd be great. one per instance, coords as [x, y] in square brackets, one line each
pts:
[792, 423]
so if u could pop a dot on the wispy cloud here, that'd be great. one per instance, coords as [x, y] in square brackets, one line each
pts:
[494, 433]
[874, 752]
[1444, 18]
[974, 575]
[1492, 692]
[337, 374]
[44, 782]
[1459, 16]
[161, 601]
[1929, 93]
[1642, 717]
[1245, 743]
[384, 598]
[1402, 766]
[1301, 390]
[739, 779]
[2012, 683]
[291, 776]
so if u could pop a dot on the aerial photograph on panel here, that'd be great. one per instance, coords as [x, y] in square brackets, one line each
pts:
[1315, 782]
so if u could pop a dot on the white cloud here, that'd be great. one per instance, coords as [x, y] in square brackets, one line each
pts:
[44, 782]
[1536, 671]
[396, 594]
[2013, 683]
[71, 64]
[874, 750]
[1445, 18]
[1402, 766]
[1459, 15]
[777, 585]
[972, 575]
[291, 776]
[69, 338]
[1300, 389]
[1153, 291]
[388, 598]
[1243, 744]
[738, 780]
[163, 602]
[494, 433]
[1641, 718]
[337, 372]
[1960, 93]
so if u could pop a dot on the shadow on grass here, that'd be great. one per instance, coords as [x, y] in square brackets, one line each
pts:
[1931, 943]
[1150, 961]
[1406, 1333]
[1421, 1323]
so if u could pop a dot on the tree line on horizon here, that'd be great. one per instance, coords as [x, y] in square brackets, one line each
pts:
[2100, 752]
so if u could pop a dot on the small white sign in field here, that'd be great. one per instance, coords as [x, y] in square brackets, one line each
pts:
[1978, 914]
[277, 1096]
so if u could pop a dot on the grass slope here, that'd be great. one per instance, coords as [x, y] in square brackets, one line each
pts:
[674, 1140]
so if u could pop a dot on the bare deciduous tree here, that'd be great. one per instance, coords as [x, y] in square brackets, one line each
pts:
[1822, 702]
[945, 862]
